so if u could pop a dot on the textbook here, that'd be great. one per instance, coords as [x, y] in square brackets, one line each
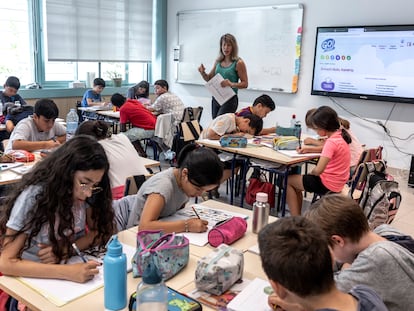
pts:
[61, 292]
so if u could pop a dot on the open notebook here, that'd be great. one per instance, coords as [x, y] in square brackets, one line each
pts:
[60, 292]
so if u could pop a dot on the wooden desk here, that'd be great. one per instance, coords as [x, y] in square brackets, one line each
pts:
[103, 113]
[10, 177]
[184, 281]
[281, 162]
[247, 241]
[95, 299]
[109, 113]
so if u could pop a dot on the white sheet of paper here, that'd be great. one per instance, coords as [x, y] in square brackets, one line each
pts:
[60, 292]
[213, 216]
[253, 297]
[221, 94]
[8, 166]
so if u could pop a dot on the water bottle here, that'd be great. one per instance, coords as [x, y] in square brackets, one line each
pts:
[298, 130]
[1, 108]
[260, 212]
[293, 121]
[72, 120]
[115, 277]
[152, 293]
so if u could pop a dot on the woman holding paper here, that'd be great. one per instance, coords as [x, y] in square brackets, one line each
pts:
[64, 200]
[233, 70]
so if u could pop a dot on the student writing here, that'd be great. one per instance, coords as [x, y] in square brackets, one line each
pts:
[332, 170]
[198, 169]
[64, 199]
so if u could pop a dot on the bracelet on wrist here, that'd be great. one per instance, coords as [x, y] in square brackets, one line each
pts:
[186, 226]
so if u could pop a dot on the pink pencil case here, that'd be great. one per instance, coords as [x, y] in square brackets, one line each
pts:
[227, 232]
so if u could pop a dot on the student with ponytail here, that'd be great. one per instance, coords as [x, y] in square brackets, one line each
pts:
[199, 169]
[332, 171]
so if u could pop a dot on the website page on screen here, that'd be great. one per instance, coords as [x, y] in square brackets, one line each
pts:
[354, 60]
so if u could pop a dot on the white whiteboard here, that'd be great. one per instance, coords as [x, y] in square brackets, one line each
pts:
[269, 40]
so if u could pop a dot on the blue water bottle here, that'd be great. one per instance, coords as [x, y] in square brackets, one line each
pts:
[115, 277]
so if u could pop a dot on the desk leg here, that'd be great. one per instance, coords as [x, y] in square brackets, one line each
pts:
[233, 164]
[243, 181]
[283, 201]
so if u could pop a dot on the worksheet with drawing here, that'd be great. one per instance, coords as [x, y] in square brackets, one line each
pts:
[213, 216]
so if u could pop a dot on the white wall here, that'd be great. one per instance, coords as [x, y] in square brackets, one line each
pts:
[316, 13]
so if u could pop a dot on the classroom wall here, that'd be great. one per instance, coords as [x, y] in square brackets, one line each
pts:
[316, 13]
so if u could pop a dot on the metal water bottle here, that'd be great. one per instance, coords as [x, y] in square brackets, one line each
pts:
[260, 212]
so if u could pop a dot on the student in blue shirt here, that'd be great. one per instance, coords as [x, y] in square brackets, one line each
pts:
[93, 97]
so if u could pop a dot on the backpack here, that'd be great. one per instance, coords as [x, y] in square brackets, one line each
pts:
[381, 197]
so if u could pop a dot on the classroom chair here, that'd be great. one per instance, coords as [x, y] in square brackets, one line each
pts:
[133, 183]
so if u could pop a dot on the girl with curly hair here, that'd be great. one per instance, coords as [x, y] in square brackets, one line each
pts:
[65, 199]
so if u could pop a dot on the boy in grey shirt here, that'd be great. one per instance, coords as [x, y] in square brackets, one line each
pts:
[368, 257]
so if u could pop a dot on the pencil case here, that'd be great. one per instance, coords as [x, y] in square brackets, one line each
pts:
[285, 143]
[288, 131]
[227, 231]
[233, 141]
[22, 155]
[219, 270]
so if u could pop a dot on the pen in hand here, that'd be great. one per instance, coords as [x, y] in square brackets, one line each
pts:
[195, 212]
[78, 252]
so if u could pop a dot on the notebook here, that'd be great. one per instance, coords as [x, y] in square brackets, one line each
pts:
[60, 292]
[8, 166]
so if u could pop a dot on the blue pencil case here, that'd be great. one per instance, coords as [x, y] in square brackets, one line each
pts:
[233, 141]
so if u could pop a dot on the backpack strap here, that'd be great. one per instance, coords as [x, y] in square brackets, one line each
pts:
[405, 241]
[193, 130]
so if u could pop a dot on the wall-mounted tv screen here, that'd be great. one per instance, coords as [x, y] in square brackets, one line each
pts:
[365, 62]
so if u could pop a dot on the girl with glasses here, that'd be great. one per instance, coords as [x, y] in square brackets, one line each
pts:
[198, 170]
[64, 199]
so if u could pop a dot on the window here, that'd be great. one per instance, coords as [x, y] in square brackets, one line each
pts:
[75, 40]
[16, 45]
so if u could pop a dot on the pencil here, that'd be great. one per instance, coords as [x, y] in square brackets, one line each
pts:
[78, 252]
[195, 212]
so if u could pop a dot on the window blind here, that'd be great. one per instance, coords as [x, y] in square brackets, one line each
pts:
[99, 30]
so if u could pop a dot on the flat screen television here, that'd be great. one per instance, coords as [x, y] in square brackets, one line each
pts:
[365, 62]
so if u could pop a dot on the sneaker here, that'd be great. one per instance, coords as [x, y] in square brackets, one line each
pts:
[169, 155]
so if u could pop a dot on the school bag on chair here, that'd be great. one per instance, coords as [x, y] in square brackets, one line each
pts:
[381, 196]
[189, 129]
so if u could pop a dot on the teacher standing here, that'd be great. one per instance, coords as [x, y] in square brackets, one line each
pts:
[233, 70]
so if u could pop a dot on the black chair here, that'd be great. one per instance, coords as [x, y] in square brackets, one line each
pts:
[133, 183]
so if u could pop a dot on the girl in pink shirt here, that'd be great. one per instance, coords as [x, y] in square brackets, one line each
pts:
[332, 171]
